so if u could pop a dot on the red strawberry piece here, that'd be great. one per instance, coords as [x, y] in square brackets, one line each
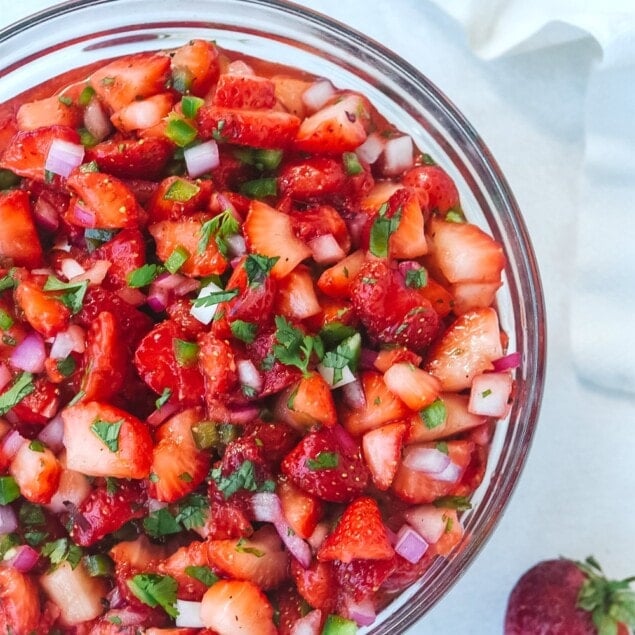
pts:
[314, 178]
[434, 186]
[195, 554]
[319, 466]
[167, 202]
[390, 311]
[157, 363]
[125, 253]
[301, 510]
[49, 111]
[19, 241]
[42, 310]
[101, 201]
[178, 465]
[363, 578]
[406, 572]
[275, 439]
[227, 519]
[105, 511]
[20, 609]
[131, 78]
[36, 471]
[105, 359]
[316, 584]
[145, 115]
[387, 357]
[195, 66]
[244, 91]
[382, 452]
[562, 597]
[318, 221]
[408, 240]
[180, 312]
[39, 406]
[359, 535]
[336, 280]
[217, 365]
[291, 607]
[237, 453]
[27, 151]
[256, 128]
[132, 158]
[309, 402]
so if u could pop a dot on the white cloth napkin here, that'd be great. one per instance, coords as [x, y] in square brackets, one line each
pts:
[602, 301]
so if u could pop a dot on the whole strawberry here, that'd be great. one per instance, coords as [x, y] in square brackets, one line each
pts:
[563, 597]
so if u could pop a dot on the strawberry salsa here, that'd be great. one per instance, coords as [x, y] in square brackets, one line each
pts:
[249, 362]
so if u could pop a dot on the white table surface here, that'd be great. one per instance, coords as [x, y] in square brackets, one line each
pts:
[575, 496]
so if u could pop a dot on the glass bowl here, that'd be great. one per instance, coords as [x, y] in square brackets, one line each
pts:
[80, 32]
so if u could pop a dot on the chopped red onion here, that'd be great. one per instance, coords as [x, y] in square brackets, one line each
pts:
[410, 544]
[160, 415]
[5, 375]
[266, 507]
[201, 158]
[8, 520]
[241, 415]
[297, 547]
[23, 558]
[223, 204]
[451, 474]
[83, 217]
[29, 354]
[367, 359]
[398, 155]
[154, 505]
[96, 120]
[408, 265]
[362, 613]
[236, 245]
[71, 268]
[124, 615]
[508, 362]
[326, 250]
[318, 536]
[426, 460]
[310, 624]
[11, 443]
[489, 394]
[65, 342]
[131, 296]
[428, 522]
[158, 296]
[328, 374]
[318, 94]
[372, 148]
[45, 214]
[187, 286]
[188, 614]
[353, 395]
[238, 67]
[53, 433]
[63, 157]
[95, 275]
[249, 375]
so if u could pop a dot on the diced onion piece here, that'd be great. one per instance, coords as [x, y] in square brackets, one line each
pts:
[29, 354]
[426, 460]
[189, 614]
[249, 375]
[82, 216]
[410, 544]
[326, 250]
[72, 491]
[63, 157]
[372, 148]
[71, 268]
[236, 245]
[5, 375]
[318, 536]
[397, 155]
[242, 415]
[451, 474]
[45, 214]
[205, 314]
[22, 558]
[96, 120]
[53, 433]
[362, 613]
[201, 158]
[68, 341]
[11, 443]
[508, 362]
[309, 624]
[353, 395]
[238, 67]
[367, 359]
[8, 520]
[266, 507]
[95, 275]
[328, 374]
[161, 414]
[318, 94]
[489, 394]
[428, 521]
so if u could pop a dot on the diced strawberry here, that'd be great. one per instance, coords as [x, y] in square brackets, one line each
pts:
[255, 128]
[143, 114]
[473, 295]
[140, 553]
[234, 606]
[125, 252]
[166, 204]
[131, 78]
[261, 558]
[101, 201]
[42, 310]
[106, 359]
[336, 280]
[320, 220]
[434, 185]
[382, 452]
[40, 405]
[301, 510]
[102, 440]
[36, 471]
[131, 158]
[465, 253]
[316, 584]
[307, 403]
[178, 465]
[338, 127]
[290, 605]
[157, 364]
[217, 364]
[361, 579]
[314, 178]
[179, 311]
[296, 297]
[390, 311]
[19, 241]
[186, 233]
[227, 520]
[104, 511]
[387, 357]
[414, 386]
[419, 487]
[440, 298]
[195, 554]
[381, 406]
[319, 466]
[408, 240]
[27, 151]
[195, 67]
[359, 535]
[275, 439]
[20, 609]
[50, 111]
[244, 91]
[468, 347]
[289, 91]
[269, 232]
[452, 533]
[406, 572]
[457, 419]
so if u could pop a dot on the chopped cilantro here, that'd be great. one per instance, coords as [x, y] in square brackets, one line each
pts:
[9, 490]
[62, 550]
[294, 348]
[244, 331]
[186, 477]
[267, 362]
[6, 321]
[111, 485]
[381, 231]
[442, 446]
[486, 393]
[427, 159]
[181, 191]
[334, 332]
[260, 158]
[193, 511]
[221, 227]
[66, 367]
[177, 259]
[21, 387]
[352, 166]
[161, 523]
[186, 353]
[31, 515]
[202, 574]
[98, 565]
[216, 297]
[242, 478]
[114, 619]
[323, 461]
[249, 391]
[155, 590]
[86, 95]
[163, 399]
[96, 236]
[242, 548]
[258, 268]
[217, 133]
[416, 278]
[88, 141]
[460, 503]
[434, 415]
[143, 276]
[75, 292]
[346, 354]
[108, 432]
[65, 100]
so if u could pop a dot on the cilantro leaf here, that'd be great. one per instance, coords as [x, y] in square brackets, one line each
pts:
[143, 276]
[66, 366]
[221, 227]
[202, 574]
[75, 292]
[163, 398]
[62, 550]
[294, 348]
[242, 478]
[381, 231]
[460, 503]
[434, 415]
[216, 297]
[346, 354]
[258, 268]
[416, 278]
[108, 432]
[244, 331]
[193, 511]
[22, 386]
[155, 590]
[323, 461]
[254, 551]
[161, 523]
